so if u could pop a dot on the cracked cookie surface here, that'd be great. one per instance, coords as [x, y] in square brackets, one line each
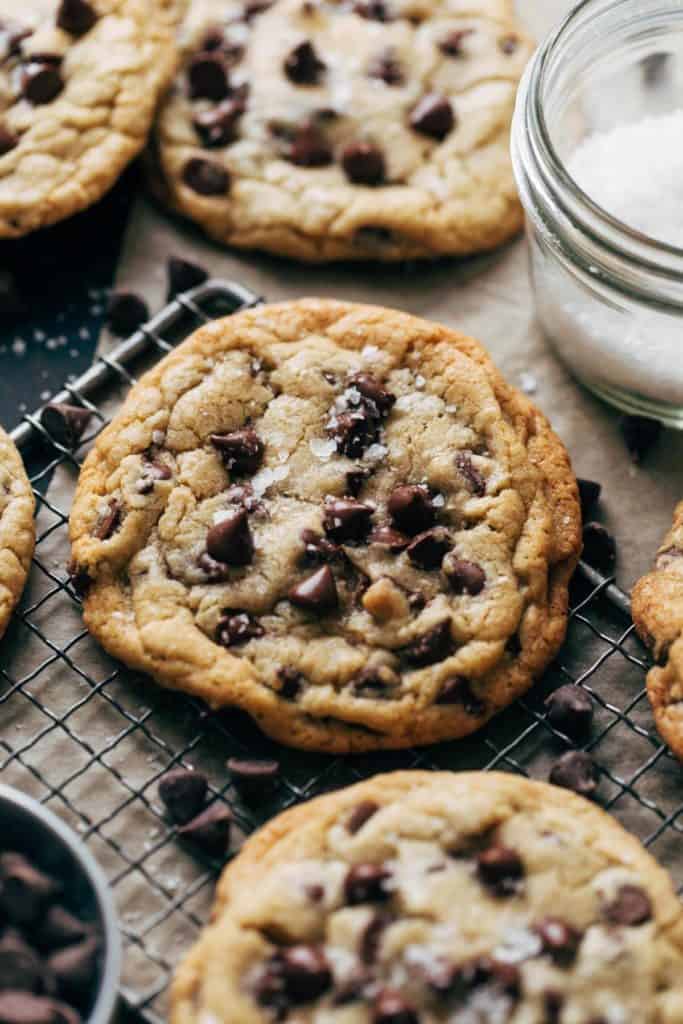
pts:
[430, 897]
[79, 82]
[337, 517]
[657, 608]
[17, 532]
[334, 129]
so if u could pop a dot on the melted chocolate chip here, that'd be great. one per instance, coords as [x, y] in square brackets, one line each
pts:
[236, 628]
[241, 450]
[631, 906]
[292, 977]
[577, 771]
[361, 813]
[560, 940]
[317, 593]
[183, 793]
[210, 830]
[206, 178]
[353, 431]
[387, 68]
[464, 577]
[230, 540]
[41, 81]
[459, 691]
[318, 550]
[431, 647]
[411, 509]
[291, 682]
[500, 869]
[589, 494]
[393, 1008]
[363, 163]
[253, 778]
[109, 521]
[302, 64]
[217, 127]
[355, 479]
[640, 435]
[207, 76]
[570, 711]
[74, 968]
[346, 520]
[76, 16]
[25, 891]
[374, 682]
[79, 578]
[125, 313]
[474, 480]
[307, 147]
[433, 116]
[65, 423]
[371, 937]
[8, 140]
[599, 548]
[367, 883]
[428, 549]
[373, 391]
[386, 537]
[153, 470]
[373, 10]
[452, 44]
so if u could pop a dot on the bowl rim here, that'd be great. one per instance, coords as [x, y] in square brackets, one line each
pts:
[108, 990]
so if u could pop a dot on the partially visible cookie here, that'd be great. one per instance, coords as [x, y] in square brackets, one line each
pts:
[657, 607]
[345, 129]
[337, 517]
[436, 898]
[79, 83]
[17, 533]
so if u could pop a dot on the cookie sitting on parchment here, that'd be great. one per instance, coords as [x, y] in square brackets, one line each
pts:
[337, 517]
[436, 898]
[79, 82]
[17, 531]
[345, 129]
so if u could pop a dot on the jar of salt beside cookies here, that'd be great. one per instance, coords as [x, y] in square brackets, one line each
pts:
[597, 147]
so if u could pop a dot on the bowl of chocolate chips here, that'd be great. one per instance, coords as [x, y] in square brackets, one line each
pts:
[60, 950]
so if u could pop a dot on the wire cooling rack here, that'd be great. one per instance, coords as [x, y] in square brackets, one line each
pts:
[91, 739]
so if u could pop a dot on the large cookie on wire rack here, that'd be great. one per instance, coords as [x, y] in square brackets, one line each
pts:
[17, 532]
[657, 606]
[345, 129]
[426, 898]
[339, 518]
[79, 83]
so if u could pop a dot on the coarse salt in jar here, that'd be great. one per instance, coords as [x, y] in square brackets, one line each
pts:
[597, 146]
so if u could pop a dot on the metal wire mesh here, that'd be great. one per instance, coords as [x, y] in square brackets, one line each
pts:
[91, 739]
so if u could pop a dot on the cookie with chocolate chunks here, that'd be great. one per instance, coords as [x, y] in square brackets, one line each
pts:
[363, 537]
[17, 530]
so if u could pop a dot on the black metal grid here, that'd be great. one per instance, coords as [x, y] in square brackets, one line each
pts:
[91, 739]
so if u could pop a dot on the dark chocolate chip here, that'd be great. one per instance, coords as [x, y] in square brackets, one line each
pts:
[500, 869]
[302, 64]
[560, 940]
[59, 927]
[411, 509]
[433, 646]
[109, 521]
[153, 470]
[428, 549]
[213, 39]
[210, 830]
[8, 140]
[354, 431]
[217, 127]
[241, 450]
[631, 906]
[367, 883]
[78, 578]
[317, 593]
[229, 540]
[355, 479]
[24, 1008]
[183, 792]
[640, 435]
[464, 577]
[577, 771]
[371, 937]
[433, 116]
[373, 391]
[41, 81]
[387, 68]
[292, 977]
[75, 967]
[476, 483]
[315, 892]
[393, 1008]
[207, 76]
[308, 147]
[235, 628]
[21, 968]
[459, 691]
[183, 275]
[76, 16]
[291, 682]
[345, 519]
[508, 44]
[599, 548]
[373, 10]
[126, 313]
[363, 163]
[452, 44]
[318, 550]
[570, 711]
[205, 177]
[361, 813]
[65, 423]
[386, 537]
[374, 682]
[589, 494]
[25, 891]
[253, 778]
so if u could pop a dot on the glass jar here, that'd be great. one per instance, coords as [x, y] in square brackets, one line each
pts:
[609, 297]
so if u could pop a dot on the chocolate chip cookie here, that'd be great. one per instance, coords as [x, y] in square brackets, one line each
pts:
[17, 533]
[425, 898]
[339, 518]
[79, 81]
[657, 606]
[345, 129]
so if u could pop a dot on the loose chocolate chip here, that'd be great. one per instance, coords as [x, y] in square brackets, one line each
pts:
[241, 450]
[459, 691]
[363, 163]
[126, 312]
[599, 548]
[24, 1008]
[345, 519]
[317, 593]
[631, 906]
[65, 423]
[361, 813]
[210, 830]
[433, 116]
[21, 968]
[75, 967]
[217, 127]
[640, 434]
[206, 178]
[387, 68]
[367, 883]
[392, 1008]
[570, 711]
[236, 628]
[589, 494]
[183, 275]
[577, 771]
[371, 937]
[302, 64]
[308, 147]
[508, 44]
[355, 479]
[183, 792]
[373, 10]
[41, 81]
[500, 869]
[560, 940]
[386, 537]
[411, 509]
[428, 549]
[76, 16]
[476, 483]
[464, 577]
[353, 431]
[25, 891]
[452, 44]
[431, 647]
[318, 550]
[8, 140]
[229, 540]
[207, 76]
[291, 682]
[253, 778]
[109, 521]
[60, 928]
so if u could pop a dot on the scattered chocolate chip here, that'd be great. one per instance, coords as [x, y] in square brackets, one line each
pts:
[346, 520]
[589, 494]
[476, 483]
[367, 883]
[302, 64]
[308, 147]
[291, 682]
[371, 937]
[433, 116]
[217, 127]
[355, 479]
[292, 977]
[599, 548]
[411, 509]
[570, 711]
[392, 1008]
[59, 927]
[65, 423]
[577, 771]
[25, 891]
[76, 16]
[236, 628]
[126, 312]
[24, 1008]
[631, 906]
[459, 691]
[560, 940]
[183, 275]
[206, 178]
[8, 140]
[41, 81]
[229, 540]
[433, 646]
[210, 830]
[640, 434]
[318, 550]
[109, 521]
[508, 44]
[74, 968]
[361, 813]
[373, 10]
[183, 793]
[386, 537]
[317, 593]
[363, 163]
[428, 549]
[500, 869]
[464, 577]
[452, 44]
[21, 968]
[387, 68]
[241, 450]
[253, 778]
